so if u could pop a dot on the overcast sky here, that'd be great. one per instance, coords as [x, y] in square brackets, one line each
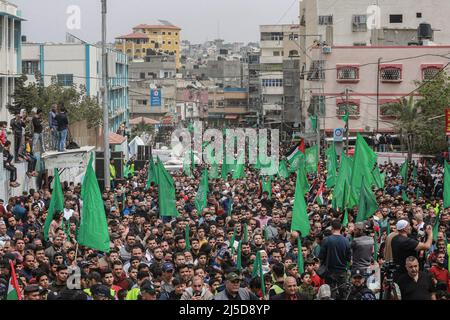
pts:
[239, 20]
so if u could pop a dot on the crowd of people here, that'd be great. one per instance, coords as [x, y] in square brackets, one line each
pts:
[398, 253]
[28, 137]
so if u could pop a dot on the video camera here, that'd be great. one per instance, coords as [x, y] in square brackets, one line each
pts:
[388, 269]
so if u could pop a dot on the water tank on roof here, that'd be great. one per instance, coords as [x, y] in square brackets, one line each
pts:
[425, 31]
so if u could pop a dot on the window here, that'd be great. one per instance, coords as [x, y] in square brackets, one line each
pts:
[317, 103]
[325, 20]
[169, 33]
[395, 18]
[176, 33]
[359, 23]
[142, 75]
[163, 32]
[391, 73]
[142, 102]
[169, 42]
[348, 73]
[10, 38]
[1, 31]
[293, 37]
[429, 71]
[30, 67]
[419, 15]
[293, 53]
[359, 44]
[65, 80]
[154, 32]
[164, 42]
[352, 107]
[176, 42]
[272, 82]
[385, 105]
[276, 53]
[316, 70]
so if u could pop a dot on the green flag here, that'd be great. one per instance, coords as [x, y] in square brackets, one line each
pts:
[300, 221]
[341, 192]
[312, 159]
[56, 203]
[331, 166]
[201, 199]
[266, 234]
[214, 171]
[436, 227]
[446, 185]
[93, 231]
[267, 185]
[303, 178]
[414, 173]
[282, 170]
[239, 257]
[166, 192]
[230, 209]
[192, 160]
[239, 171]
[151, 176]
[345, 117]
[224, 171]
[300, 263]
[378, 178]
[367, 203]
[313, 120]
[258, 271]
[233, 239]
[186, 168]
[186, 237]
[190, 127]
[418, 194]
[345, 219]
[296, 161]
[388, 228]
[245, 239]
[404, 172]
[126, 171]
[363, 162]
[405, 197]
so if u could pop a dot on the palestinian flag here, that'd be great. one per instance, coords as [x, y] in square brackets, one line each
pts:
[13, 287]
[298, 148]
[319, 195]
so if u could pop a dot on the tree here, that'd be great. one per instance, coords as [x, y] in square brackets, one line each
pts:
[79, 106]
[407, 120]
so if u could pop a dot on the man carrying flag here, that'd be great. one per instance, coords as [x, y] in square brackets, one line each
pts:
[319, 195]
[13, 287]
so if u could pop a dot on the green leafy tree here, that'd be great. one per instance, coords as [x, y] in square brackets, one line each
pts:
[407, 120]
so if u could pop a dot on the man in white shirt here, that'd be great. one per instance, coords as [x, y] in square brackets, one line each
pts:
[68, 211]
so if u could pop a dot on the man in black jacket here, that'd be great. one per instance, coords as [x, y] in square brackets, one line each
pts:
[17, 124]
[62, 127]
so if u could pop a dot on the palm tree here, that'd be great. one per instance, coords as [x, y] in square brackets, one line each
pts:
[407, 120]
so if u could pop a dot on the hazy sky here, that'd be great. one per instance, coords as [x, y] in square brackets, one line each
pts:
[239, 20]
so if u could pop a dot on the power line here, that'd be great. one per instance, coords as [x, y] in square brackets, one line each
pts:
[287, 11]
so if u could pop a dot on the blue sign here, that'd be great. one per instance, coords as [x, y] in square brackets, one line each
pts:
[155, 98]
[338, 134]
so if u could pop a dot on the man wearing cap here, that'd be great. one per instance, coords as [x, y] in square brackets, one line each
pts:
[233, 291]
[403, 246]
[362, 249]
[359, 290]
[167, 277]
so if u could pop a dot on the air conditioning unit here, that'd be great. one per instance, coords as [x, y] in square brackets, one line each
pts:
[326, 49]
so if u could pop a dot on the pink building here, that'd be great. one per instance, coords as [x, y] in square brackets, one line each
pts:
[355, 68]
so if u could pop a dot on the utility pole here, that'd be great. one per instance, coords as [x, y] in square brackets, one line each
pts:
[104, 93]
[347, 131]
[378, 95]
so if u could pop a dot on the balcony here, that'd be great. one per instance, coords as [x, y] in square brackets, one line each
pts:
[271, 59]
[272, 90]
[271, 44]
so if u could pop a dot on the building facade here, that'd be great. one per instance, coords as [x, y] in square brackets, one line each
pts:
[278, 43]
[350, 81]
[150, 40]
[80, 64]
[10, 53]
[156, 74]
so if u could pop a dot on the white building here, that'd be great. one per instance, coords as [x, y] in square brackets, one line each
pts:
[360, 22]
[79, 64]
[278, 43]
[10, 53]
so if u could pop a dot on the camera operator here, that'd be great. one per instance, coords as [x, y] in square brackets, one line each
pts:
[403, 246]
[359, 290]
[362, 249]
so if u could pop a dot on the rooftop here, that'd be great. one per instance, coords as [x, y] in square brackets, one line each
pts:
[156, 26]
[134, 35]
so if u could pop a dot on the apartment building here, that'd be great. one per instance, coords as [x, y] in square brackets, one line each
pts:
[10, 53]
[80, 64]
[151, 40]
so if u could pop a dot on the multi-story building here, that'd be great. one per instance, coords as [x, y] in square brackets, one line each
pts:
[156, 74]
[227, 106]
[80, 64]
[350, 81]
[150, 40]
[367, 22]
[278, 43]
[254, 85]
[10, 53]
